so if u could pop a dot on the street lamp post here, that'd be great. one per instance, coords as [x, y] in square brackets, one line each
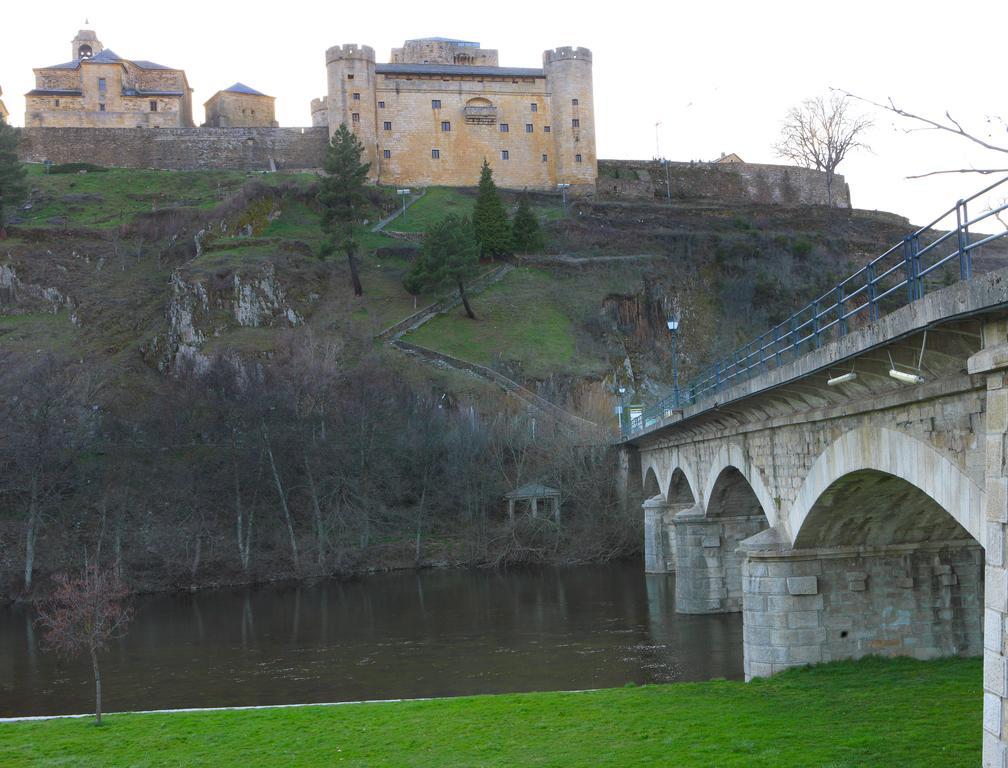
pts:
[403, 193]
[563, 189]
[673, 326]
[620, 409]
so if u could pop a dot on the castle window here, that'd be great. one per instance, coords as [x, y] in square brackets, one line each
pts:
[577, 158]
[153, 105]
[535, 107]
[57, 102]
[356, 97]
[546, 129]
[350, 76]
[435, 154]
[575, 123]
[387, 125]
[101, 107]
[529, 127]
[504, 128]
[355, 117]
[545, 158]
[435, 104]
[574, 102]
[101, 83]
[387, 153]
[381, 105]
[445, 125]
[505, 155]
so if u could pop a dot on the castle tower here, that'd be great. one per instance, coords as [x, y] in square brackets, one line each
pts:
[351, 98]
[569, 81]
[85, 45]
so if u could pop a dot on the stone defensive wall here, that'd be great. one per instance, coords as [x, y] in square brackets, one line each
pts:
[743, 183]
[179, 149]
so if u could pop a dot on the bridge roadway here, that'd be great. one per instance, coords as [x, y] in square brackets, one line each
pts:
[868, 517]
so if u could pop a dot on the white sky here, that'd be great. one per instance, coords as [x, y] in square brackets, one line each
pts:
[719, 76]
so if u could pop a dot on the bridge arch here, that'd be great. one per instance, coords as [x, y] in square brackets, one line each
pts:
[681, 491]
[652, 486]
[871, 455]
[670, 470]
[729, 460]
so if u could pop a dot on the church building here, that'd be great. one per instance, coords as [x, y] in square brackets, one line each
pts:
[440, 106]
[98, 89]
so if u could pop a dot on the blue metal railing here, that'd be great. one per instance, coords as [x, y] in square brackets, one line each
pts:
[896, 278]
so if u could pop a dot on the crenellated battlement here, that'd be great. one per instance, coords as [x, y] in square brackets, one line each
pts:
[350, 51]
[566, 53]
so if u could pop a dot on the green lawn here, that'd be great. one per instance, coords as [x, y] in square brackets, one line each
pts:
[868, 713]
[523, 318]
[113, 196]
[438, 202]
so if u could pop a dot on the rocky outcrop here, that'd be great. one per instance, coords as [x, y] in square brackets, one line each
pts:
[204, 306]
[18, 296]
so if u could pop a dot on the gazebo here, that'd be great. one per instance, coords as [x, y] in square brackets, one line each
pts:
[532, 493]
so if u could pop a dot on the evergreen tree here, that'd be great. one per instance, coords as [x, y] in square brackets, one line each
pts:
[448, 259]
[13, 189]
[341, 197]
[489, 220]
[525, 230]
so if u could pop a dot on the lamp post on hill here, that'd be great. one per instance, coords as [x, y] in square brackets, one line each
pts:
[563, 189]
[663, 161]
[619, 410]
[403, 193]
[673, 326]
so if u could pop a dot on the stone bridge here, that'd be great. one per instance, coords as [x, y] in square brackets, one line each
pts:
[866, 517]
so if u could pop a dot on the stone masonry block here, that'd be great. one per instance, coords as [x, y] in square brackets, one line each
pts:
[996, 504]
[857, 586]
[802, 585]
[710, 542]
[995, 752]
[993, 630]
[787, 603]
[996, 588]
[994, 673]
[803, 620]
[992, 713]
[905, 582]
[948, 579]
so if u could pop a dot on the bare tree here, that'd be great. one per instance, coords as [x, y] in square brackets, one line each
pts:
[948, 124]
[820, 133]
[84, 613]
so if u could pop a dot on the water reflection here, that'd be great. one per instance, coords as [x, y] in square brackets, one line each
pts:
[436, 633]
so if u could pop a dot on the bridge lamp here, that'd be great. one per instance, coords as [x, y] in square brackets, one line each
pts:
[906, 378]
[673, 327]
[620, 409]
[842, 379]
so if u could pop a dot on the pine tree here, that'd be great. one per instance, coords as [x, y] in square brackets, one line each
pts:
[341, 196]
[13, 189]
[525, 230]
[489, 220]
[448, 259]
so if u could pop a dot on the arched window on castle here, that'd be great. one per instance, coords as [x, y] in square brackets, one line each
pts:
[480, 111]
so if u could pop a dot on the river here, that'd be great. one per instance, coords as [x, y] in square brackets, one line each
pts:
[404, 635]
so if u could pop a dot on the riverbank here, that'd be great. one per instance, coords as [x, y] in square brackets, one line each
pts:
[867, 713]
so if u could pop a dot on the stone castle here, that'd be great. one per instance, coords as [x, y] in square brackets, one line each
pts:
[99, 89]
[428, 116]
[432, 114]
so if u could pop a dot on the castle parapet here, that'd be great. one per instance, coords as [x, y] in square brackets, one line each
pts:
[350, 51]
[565, 53]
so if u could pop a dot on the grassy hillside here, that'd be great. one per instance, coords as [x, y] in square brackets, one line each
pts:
[871, 713]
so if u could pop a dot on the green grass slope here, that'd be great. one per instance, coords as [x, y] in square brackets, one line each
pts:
[845, 715]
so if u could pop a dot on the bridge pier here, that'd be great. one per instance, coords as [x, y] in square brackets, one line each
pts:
[992, 360]
[708, 564]
[807, 606]
[659, 543]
